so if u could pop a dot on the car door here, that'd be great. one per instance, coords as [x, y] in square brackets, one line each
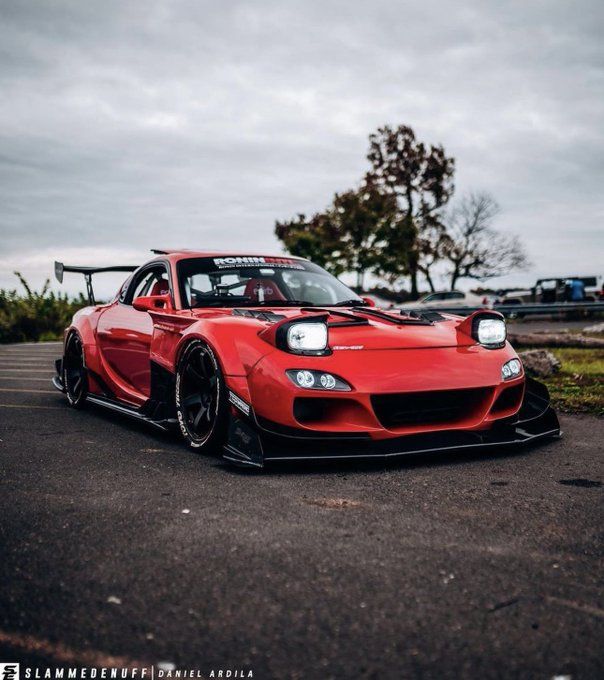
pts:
[124, 335]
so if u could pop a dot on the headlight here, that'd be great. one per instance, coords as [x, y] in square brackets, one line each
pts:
[491, 332]
[317, 380]
[307, 337]
[511, 369]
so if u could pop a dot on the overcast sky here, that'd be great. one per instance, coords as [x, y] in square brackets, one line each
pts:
[131, 125]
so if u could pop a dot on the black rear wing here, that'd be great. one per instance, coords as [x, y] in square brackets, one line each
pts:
[61, 268]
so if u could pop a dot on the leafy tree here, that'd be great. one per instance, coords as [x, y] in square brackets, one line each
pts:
[421, 180]
[316, 238]
[476, 250]
[363, 218]
[350, 236]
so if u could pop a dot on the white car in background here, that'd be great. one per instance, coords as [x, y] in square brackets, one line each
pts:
[450, 298]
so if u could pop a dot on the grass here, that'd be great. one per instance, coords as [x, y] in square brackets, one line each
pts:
[579, 386]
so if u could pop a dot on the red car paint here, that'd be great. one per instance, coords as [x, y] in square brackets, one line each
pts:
[380, 358]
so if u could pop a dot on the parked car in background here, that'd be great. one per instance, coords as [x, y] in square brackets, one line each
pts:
[450, 298]
[557, 289]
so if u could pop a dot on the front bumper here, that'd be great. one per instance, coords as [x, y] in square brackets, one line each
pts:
[388, 388]
[256, 442]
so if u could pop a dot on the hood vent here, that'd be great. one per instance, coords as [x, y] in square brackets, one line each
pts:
[398, 320]
[428, 315]
[258, 314]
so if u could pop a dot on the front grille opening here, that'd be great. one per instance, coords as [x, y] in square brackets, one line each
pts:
[309, 410]
[509, 400]
[338, 413]
[429, 408]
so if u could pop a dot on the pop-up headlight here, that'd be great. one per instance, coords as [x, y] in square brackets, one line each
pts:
[491, 332]
[307, 337]
[306, 334]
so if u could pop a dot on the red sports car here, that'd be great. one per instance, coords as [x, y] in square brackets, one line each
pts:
[270, 358]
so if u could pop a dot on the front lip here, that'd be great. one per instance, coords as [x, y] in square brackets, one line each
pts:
[535, 421]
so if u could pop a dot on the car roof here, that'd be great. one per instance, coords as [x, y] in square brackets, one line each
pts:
[189, 252]
[175, 254]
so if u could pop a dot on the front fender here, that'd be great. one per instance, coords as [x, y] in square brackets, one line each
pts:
[235, 342]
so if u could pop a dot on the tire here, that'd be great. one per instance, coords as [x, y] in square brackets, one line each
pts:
[201, 399]
[74, 375]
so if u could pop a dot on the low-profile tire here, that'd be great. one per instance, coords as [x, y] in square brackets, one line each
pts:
[201, 399]
[75, 377]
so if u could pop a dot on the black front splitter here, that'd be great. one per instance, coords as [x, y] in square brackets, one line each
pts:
[253, 444]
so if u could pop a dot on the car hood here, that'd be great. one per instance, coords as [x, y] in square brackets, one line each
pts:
[360, 329]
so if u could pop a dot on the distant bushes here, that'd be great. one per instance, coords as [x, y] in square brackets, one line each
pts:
[35, 316]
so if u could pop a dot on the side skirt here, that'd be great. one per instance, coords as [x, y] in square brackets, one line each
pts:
[137, 414]
[155, 406]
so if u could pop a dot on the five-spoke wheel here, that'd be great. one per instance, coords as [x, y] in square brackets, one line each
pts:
[201, 404]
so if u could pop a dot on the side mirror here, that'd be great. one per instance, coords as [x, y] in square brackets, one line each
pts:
[370, 302]
[152, 303]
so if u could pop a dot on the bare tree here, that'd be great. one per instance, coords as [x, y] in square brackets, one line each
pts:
[476, 250]
[434, 244]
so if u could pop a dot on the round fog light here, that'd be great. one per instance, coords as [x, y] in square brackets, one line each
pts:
[328, 381]
[305, 379]
[511, 369]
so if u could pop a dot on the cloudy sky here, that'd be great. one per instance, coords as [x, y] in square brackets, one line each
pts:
[127, 125]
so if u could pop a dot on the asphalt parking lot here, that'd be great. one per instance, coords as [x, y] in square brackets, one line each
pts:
[120, 545]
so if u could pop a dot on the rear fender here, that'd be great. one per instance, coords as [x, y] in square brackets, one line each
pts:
[84, 324]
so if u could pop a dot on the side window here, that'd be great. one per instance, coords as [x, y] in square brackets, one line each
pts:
[144, 285]
[124, 290]
[455, 295]
[149, 282]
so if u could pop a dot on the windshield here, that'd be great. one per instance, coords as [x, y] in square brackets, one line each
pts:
[259, 281]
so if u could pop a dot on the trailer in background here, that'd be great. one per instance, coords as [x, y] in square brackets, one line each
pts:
[557, 289]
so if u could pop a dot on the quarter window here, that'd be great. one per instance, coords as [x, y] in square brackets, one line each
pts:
[152, 281]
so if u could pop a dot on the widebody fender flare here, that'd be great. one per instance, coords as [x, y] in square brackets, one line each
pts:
[234, 340]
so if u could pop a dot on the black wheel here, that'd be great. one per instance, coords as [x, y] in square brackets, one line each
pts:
[75, 379]
[201, 403]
